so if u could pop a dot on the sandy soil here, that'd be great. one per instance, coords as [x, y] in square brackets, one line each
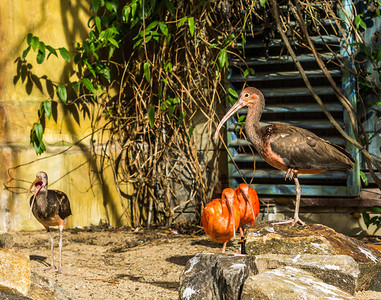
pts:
[122, 264]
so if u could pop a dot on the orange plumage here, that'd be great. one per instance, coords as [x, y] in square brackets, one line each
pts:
[221, 217]
[248, 204]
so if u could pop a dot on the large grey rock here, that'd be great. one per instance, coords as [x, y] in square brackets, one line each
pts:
[229, 275]
[200, 286]
[339, 270]
[267, 238]
[14, 271]
[215, 276]
[288, 283]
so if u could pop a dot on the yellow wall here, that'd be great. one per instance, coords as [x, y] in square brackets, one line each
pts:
[76, 171]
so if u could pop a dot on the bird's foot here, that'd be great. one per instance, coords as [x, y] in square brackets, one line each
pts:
[62, 271]
[293, 222]
[50, 269]
[291, 174]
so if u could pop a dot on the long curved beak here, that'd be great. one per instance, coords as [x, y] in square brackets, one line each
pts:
[35, 193]
[247, 199]
[229, 204]
[237, 106]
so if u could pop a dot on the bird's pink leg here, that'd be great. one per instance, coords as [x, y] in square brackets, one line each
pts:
[52, 268]
[297, 204]
[60, 270]
[241, 231]
[296, 218]
[224, 247]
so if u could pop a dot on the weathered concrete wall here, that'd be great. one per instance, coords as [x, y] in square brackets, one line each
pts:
[76, 171]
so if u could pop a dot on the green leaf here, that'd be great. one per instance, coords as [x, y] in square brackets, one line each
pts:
[109, 6]
[64, 53]
[171, 110]
[151, 116]
[181, 119]
[151, 26]
[360, 22]
[126, 13]
[48, 108]
[75, 86]
[147, 66]
[51, 50]
[375, 209]
[168, 66]
[163, 28]
[190, 132]
[40, 56]
[88, 84]
[223, 58]
[263, 2]
[364, 178]
[246, 73]
[39, 130]
[191, 25]
[98, 23]
[62, 93]
[113, 42]
[29, 38]
[95, 5]
[233, 93]
[181, 22]
[25, 52]
[365, 216]
[35, 43]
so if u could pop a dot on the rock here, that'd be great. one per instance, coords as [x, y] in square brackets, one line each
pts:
[215, 276]
[230, 274]
[266, 238]
[46, 289]
[339, 270]
[200, 286]
[290, 283]
[14, 271]
[6, 240]
[4, 295]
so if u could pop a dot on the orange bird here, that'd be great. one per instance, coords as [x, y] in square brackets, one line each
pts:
[248, 204]
[221, 217]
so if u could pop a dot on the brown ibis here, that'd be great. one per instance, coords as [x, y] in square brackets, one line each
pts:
[291, 149]
[220, 218]
[248, 205]
[50, 208]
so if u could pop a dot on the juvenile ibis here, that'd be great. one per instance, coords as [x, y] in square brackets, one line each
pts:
[220, 218]
[288, 148]
[50, 208]
[248, 205]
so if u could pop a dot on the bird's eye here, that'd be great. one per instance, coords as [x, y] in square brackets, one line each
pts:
[246, 95]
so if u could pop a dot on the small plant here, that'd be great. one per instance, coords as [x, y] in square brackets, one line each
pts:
[375, 220]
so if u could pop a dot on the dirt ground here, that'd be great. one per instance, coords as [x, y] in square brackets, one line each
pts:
[121, 263]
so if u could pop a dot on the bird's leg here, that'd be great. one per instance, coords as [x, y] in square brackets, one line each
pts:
[294, 174]
[297, 204]
[60, 270]
[241, 232]
[52, 267]
[224, 247]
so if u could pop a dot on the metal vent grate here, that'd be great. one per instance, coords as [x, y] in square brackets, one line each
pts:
[288, 101]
